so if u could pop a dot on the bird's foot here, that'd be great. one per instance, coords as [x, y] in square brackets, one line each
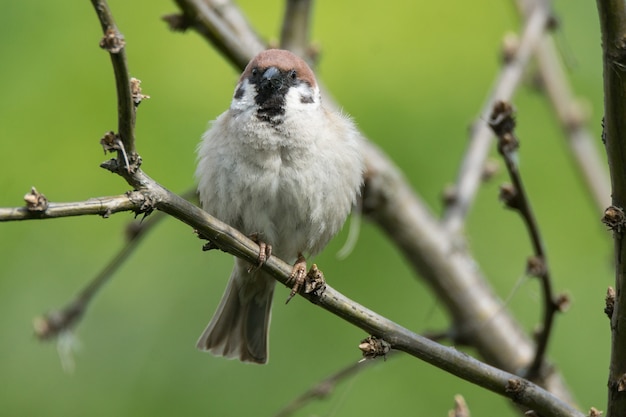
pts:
[265, 251]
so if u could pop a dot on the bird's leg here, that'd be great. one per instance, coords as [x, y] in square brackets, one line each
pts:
[265, 251]
[298, 274]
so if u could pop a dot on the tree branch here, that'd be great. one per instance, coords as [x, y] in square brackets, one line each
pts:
[502, 123]
[471, 170]
[113, 41]
[613, 27]
[53, 323]
[295, 31]
[102, 206]
[571, 116]
[479, 317]
[324, 387]
[234, 242]
[221, 23]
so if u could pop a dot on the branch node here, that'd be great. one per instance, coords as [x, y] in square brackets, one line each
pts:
[621, 383]
[36, 201]
[536, 267]
[135, 89]
[147, 203]
[460, 407]
[609, 302]
[177, 22]
[112, 41]
[516, 387]
[510, 46]
[490, 170]
[594, 412]
[509, 196]
[502, 118]
[51, 324]
[314, 282]
[614, 218]
[110, 142]
[449, 196]
[373, 347]
[562, 302]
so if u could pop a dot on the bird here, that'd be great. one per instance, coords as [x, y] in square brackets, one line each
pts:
[282, 168]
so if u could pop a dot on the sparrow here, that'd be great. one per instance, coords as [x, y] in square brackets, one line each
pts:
[280, 167]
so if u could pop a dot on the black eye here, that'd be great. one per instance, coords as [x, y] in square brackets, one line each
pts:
[293, 75]
[255, 72]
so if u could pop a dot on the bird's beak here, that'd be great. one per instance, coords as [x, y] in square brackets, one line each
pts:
[272, 79]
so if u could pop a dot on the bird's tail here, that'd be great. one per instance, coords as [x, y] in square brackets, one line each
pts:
[239, 328]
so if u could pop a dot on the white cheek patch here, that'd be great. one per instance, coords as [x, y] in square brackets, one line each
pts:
[243, 98]
[302, 97]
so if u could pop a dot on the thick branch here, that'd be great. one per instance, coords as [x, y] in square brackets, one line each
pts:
[221, 24]
[613, 26]
[449, 359]
[294, 34]
[479, 317]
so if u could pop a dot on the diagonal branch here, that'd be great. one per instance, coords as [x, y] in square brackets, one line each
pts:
[449, 359]
[502, 123]
[223, 26]
[51, 324]
[471, 170]
[479, 317]
[572, 118]
[324, 387]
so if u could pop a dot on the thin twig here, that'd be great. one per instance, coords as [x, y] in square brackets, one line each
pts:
[324, 388]
[102, 206]
[571, 116]
[53, 323]
[113, 41]
[471, 170]
[502, 122]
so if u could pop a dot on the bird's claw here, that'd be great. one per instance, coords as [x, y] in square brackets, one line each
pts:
[265, 251]
[312, 281]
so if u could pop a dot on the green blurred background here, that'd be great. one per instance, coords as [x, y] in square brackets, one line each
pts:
[412, 74]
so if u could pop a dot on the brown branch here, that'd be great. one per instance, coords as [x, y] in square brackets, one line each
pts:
[224, 27]
[324, 388]
[457, 363]
[51, 324]
[480, 319]
[613, 27]
[515, 197]
[571, 116]
[296, 28]
[113, 41]
[471, 170]
[102, 206]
